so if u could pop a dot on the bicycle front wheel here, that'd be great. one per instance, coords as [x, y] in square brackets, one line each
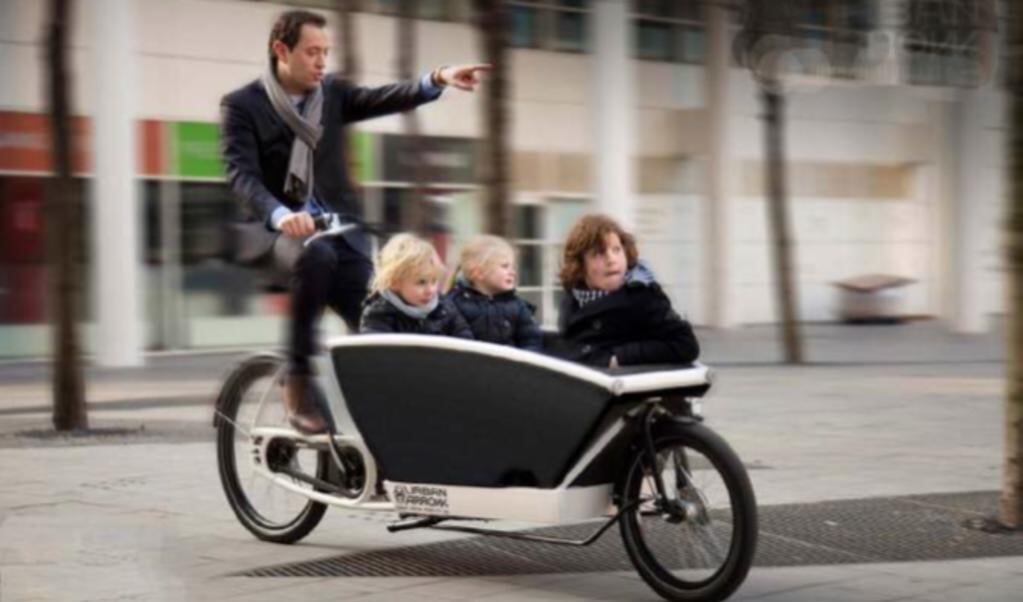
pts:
[698, 542]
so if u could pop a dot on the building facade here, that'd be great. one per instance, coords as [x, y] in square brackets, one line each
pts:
[894, 147]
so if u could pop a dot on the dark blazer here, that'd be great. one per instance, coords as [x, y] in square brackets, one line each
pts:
[505, 319]
[380, 316]
[256, 143]
[634, 323]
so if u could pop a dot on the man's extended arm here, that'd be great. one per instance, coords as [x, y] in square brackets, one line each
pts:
[359, 102]
[364, 103]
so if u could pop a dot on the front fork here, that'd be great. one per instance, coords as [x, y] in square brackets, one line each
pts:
[672, 507]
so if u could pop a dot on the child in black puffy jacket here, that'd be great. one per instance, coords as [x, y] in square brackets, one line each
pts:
[614, 313]
[484, 294]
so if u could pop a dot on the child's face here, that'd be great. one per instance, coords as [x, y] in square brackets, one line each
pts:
[419, 289]
[605, 268]
[498, 277]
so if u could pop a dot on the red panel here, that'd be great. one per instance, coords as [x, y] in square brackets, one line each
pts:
[22, 232]
[151, 145]
[22, 295]
[25, 142]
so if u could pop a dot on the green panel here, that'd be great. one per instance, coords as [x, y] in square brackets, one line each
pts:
[195, 150]
[364, 167]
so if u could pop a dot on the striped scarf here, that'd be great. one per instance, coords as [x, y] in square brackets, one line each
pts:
[585, 296]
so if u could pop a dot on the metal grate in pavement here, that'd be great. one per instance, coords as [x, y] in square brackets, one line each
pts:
[892, 529]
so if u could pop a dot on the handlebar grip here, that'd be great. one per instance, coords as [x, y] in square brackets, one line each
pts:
[321, 222]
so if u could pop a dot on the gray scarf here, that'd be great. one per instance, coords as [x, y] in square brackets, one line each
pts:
[298, 185]
[418, 312]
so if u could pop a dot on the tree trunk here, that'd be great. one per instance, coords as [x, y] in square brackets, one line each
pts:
[777, 207]
[1011, 514]
[493, 24]
[69, 410]
[347, 42]
[418, 217]
[351, 70]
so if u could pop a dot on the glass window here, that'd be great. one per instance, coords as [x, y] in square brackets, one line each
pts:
[151, 222]
[433, 9]
[397, 206]
[944, 45]
[23, 267]
[654, 41]
[524, 27]
[388, 7]
[813, 12]
[325, 4]
[207, 209]
[670, 30]
[571, 31]
[653, 8]
[689, 10]
[393, 202]
[527, 222]
[530, 263]
[549, 24]
[691, 43]
[213, 286]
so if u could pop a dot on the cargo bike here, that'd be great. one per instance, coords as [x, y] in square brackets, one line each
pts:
[450, 434]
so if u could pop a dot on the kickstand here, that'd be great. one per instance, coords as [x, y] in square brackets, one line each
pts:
[416, 523]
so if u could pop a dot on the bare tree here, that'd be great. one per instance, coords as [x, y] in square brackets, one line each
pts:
[351, 69]
[348, 43]
[69, 411]
[767, 31]
[1011, 511]
[492, 19]
[418, 216]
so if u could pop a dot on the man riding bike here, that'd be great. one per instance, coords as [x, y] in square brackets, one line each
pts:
[284, 149]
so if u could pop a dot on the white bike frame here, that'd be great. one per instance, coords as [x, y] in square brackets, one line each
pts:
[563, 503]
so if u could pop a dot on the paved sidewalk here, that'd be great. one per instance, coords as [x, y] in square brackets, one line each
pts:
[884, 411]
[173, 378]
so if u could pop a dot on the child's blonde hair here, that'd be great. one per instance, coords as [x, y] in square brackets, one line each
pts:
[404, 256]
[483, 252]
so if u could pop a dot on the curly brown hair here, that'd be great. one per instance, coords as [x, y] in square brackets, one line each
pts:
[587, 235]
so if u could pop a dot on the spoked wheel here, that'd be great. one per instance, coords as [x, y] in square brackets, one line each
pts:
[698, 543]
[252, 397]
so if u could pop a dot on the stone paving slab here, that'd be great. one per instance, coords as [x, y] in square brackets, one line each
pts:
[901, 411]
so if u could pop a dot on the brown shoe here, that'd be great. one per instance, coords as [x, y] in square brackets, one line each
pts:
[302, 416]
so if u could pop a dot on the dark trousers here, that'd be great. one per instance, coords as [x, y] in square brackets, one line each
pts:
[327, 273]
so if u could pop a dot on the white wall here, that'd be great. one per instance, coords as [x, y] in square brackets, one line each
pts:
[839, 237]
[669, 239]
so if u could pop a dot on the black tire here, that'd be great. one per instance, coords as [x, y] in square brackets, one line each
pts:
[690, 573]
[302, 515]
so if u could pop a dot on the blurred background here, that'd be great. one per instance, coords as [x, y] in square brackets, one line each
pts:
[893, 157]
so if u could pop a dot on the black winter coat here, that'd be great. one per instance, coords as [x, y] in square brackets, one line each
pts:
[505, 319]
[635, 323]
[380, 316]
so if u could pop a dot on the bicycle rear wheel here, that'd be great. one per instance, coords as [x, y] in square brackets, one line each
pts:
[252, 398]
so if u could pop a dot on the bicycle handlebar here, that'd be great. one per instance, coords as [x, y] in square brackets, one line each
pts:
[334, 224]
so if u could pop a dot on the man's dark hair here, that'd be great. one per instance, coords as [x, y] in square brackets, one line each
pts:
[288, 28]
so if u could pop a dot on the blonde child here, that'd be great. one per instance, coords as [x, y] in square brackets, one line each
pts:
[404, 292]
[484, 293]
